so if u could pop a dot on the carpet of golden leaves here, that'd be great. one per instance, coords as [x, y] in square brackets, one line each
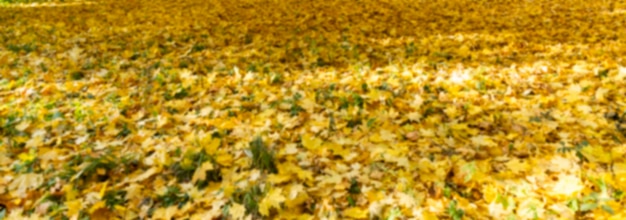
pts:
[250, 109]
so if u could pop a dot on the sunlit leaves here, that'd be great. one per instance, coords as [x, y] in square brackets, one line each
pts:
[312, 109]
[271, 200]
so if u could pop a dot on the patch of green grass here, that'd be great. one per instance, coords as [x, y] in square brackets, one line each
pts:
[17, 48]
[454, 212]
[173, 196]
[77, 75]
[354, 190]
[95, 165]
[184, 172]
[250, 199]
[113, 198]
[262, 158]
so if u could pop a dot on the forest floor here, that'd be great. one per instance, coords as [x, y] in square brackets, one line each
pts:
[291, 109]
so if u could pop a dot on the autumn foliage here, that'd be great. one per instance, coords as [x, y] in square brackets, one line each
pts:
[291, 109]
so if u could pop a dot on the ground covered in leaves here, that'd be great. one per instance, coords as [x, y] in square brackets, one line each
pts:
[263, 109]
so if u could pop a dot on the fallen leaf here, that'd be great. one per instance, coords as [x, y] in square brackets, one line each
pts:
[272, 200]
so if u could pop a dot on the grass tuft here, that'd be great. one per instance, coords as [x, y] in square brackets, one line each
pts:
[262, 158]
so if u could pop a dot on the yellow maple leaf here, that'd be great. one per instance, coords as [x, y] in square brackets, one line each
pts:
[161, 121]
[96, 206]
[482, 141]
[237, 211]
[165, 213]
[25, 182]
[70, 192]
[518, 166]
[302, 174]
[355, 212]
[386, 135]
[337, 149]
[310, 142]
[210, 145]
[4, 160]
[73, 207]
[224, 159]
[27, 157]
[376, 138]
[620, 175]
[596, 154]
[272, 200]
[145, 175]
[200, 173]
[278, 178]
[296, 195]
[23, 125]
[103, 189]
[427, 215]
[567, 186]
